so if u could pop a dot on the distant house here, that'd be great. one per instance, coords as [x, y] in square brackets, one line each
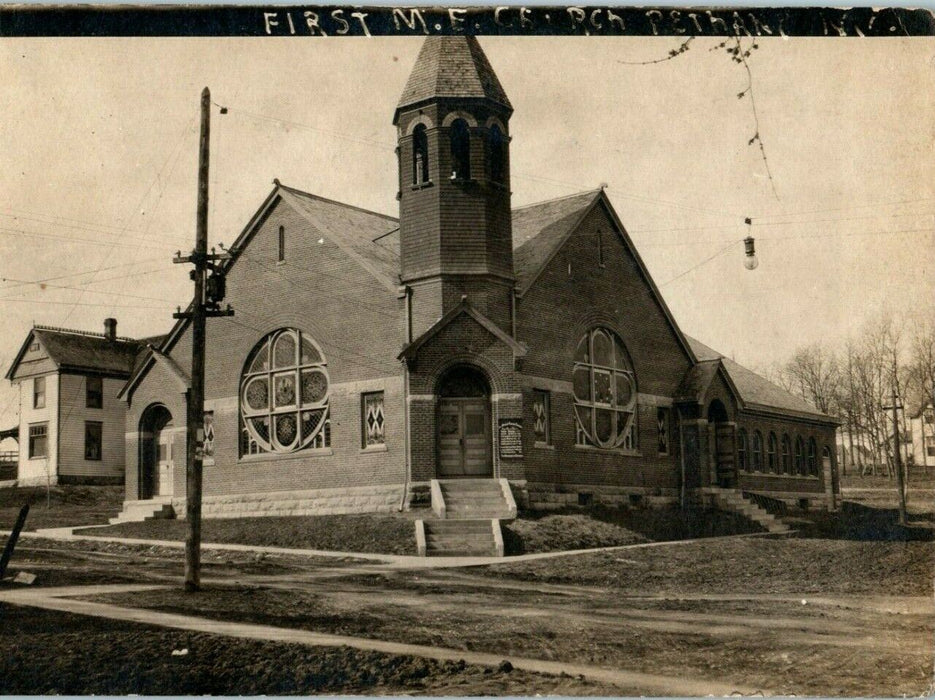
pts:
[922, 432]
[71, 426]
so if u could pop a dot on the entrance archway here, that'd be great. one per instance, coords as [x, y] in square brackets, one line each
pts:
[463, 435]
[724, 449]
[156, 465]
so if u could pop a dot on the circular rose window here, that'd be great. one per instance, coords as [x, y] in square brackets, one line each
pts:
[284, 395]
[605, 392]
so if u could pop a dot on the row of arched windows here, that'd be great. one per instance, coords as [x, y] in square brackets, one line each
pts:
[776, 456]
[459, 137]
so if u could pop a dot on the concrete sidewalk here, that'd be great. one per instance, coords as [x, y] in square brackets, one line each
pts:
[388, 561]
[59, 599]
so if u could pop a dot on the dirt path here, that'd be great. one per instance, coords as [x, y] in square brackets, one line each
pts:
[59, 599]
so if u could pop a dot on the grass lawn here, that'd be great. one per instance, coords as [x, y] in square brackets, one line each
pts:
[53, 653]
[60, 506]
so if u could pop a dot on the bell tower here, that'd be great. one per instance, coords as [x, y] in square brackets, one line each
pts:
[454, 184]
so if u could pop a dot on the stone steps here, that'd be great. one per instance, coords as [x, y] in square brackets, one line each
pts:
[472, 499]
[736, 502]
[139, 511]
[459, 538]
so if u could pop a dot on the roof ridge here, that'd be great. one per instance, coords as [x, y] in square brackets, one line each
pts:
[595, 192]
[75, 331]
[303, 193]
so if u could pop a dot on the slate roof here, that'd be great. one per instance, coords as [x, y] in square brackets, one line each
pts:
[452, 66]
[754, 390]
[71, 349]
[354, 230]
[540, 229]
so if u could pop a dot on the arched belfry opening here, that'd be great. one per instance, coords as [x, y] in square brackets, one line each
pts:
[496, 154]
[420, 155]
[463, 424]
[723, 449]
[156, 461]
[460, 136]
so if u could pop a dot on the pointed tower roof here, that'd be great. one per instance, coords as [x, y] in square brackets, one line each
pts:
[452, 66]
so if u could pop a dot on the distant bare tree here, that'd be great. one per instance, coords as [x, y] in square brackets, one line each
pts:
[814, 374]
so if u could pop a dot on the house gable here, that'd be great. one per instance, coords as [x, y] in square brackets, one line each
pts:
[593, 277]
[31, 361]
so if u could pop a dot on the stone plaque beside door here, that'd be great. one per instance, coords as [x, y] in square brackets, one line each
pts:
[510, 438]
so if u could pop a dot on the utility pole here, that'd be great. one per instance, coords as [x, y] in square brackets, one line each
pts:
[897, 456]
[208, 292]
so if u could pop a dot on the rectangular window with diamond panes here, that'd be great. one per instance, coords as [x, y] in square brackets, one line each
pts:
[373, 427]
[209, 437]
[662, 421]
[541, 413]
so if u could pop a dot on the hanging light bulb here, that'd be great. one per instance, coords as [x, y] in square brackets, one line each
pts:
[750, 262]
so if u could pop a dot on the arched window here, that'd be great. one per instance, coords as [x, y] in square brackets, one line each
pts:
[812, 457]
[605, 392]
[772, 448]
[799, 455]
[757, 451]
[742, 450]
[460, 150]
[284, 395]
[786, 455]
[496, 153]
[420, 155]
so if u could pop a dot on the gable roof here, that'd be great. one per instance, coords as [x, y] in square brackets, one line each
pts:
[452, 66]
[410, 349]
[77, 350]
[752, 389]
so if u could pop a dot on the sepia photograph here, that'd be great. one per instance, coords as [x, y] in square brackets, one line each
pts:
[467, 352]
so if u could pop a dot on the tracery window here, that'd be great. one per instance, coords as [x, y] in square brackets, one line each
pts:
[420, 155]
[771, 450]
[757, 451]
[460, 150]
[742, 450]
[604, 392]
[284, 395]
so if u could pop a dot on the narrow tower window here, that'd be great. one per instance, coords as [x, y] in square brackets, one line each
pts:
[600, 248]
[460, 150]
[420, 156]
[282, 244]
[496, 154]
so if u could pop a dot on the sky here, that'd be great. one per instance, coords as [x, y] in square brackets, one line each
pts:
[99, 149]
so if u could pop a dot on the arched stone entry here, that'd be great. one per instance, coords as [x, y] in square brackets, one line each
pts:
[463, 434]
[156, 459]
[723, 434]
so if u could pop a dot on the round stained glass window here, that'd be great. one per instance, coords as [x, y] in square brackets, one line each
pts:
[284, 395]
[604, 388]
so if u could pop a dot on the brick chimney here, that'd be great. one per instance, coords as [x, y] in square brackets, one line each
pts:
[110, 329]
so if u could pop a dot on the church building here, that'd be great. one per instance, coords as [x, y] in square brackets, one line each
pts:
[373, 360]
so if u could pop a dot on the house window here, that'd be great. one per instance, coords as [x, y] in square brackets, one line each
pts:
[284, 395]
[604, 388]
[39, 440]
[38, 392]
[496, 153]
[799, 455]
[742, 450]
[757, 451]
[460, 150]
[541, 412]
[94, 392]
[34, 347]
[93, 439]
[786, 455]
[209, 435]
[771, 449]
[929, 417]
[812, 457]
[373, 424]
[420, 155]
[281, 255]
[662, 421]
[930, 450]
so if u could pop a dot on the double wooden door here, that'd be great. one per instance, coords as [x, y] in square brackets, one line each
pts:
[464, 438]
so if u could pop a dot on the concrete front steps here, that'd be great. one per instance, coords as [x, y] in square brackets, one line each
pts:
[468, 514]
[138, 511]
[459, 538]
[735, 502]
